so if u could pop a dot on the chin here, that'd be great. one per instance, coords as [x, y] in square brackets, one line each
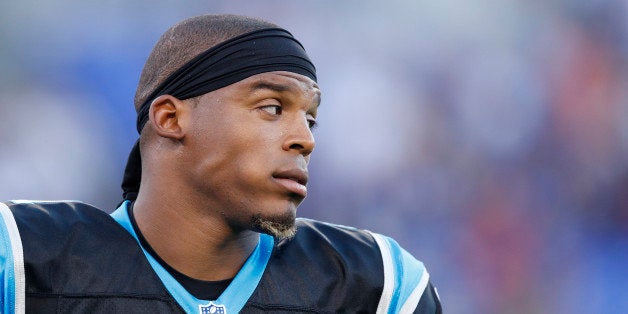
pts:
[278, 225]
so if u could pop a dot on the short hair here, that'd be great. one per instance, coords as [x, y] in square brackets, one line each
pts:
[186, 40]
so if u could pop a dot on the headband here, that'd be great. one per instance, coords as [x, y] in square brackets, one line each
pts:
[260, 51]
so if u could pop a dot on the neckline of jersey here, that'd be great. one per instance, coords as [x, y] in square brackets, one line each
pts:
[201, 289]
[233, 299]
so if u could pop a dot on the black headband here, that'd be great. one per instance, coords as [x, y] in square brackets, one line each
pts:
[265, 50]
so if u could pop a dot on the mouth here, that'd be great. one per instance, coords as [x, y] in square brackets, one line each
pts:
[293, 180]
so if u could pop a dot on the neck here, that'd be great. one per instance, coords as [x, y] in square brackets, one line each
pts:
[195, 241]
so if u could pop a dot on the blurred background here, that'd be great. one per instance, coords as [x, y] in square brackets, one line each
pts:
[489, 138]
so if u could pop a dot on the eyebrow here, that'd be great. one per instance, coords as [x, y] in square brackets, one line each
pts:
[277, 87]
[271, 86]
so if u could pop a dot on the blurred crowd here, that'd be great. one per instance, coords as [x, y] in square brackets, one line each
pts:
[489, 138]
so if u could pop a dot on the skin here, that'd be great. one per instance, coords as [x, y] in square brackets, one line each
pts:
[221, 169]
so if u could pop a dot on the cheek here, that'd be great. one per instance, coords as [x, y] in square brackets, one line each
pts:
[249, 155]
[237, 154]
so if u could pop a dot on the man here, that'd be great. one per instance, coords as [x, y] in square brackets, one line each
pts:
[225, 110]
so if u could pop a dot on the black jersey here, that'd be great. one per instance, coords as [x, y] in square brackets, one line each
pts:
[69, 257]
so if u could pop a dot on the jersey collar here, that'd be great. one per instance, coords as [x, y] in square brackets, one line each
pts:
[233, 299]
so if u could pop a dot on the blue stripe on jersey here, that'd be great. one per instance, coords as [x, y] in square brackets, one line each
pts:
[415, 271]
[7, 294]
[237, 293]
[408, 273]
[395, 252]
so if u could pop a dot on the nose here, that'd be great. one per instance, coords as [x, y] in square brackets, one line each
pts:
[300, 138]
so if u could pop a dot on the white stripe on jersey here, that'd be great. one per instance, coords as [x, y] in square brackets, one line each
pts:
[18, 259]
[389, 275]
[415, 297]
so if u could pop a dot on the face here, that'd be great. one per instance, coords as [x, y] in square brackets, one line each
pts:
[248, 148]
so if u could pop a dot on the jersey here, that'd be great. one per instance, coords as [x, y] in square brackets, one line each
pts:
[70, 257]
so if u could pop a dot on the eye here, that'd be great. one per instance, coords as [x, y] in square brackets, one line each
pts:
[272, 109]
[312, 123]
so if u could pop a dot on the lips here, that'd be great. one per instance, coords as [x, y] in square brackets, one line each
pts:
[293, 180]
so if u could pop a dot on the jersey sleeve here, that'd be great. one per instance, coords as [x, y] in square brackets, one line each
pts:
[407, 287]
[430, 302]
[12, 287]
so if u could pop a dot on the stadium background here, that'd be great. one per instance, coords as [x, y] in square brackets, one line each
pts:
[490, 138]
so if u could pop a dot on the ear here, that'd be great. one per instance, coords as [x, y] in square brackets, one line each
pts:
[168, 116]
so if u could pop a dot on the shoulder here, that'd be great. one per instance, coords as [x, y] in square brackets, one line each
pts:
[49, 230]
[55, 227]
[407, 286]
[59, 237]
[324, 268]
[343, 239]
[49, 222]
[373, 264]
[57, 213]
[355, 251]
[68, 252]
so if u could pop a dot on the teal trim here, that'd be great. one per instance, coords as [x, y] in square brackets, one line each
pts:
[249, 276]
[7, 302]
[408, 273]
[237, 293]
[395, 251]
[414, 271]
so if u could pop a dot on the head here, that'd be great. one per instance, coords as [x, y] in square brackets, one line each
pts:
[239, 152]
[187, 39]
